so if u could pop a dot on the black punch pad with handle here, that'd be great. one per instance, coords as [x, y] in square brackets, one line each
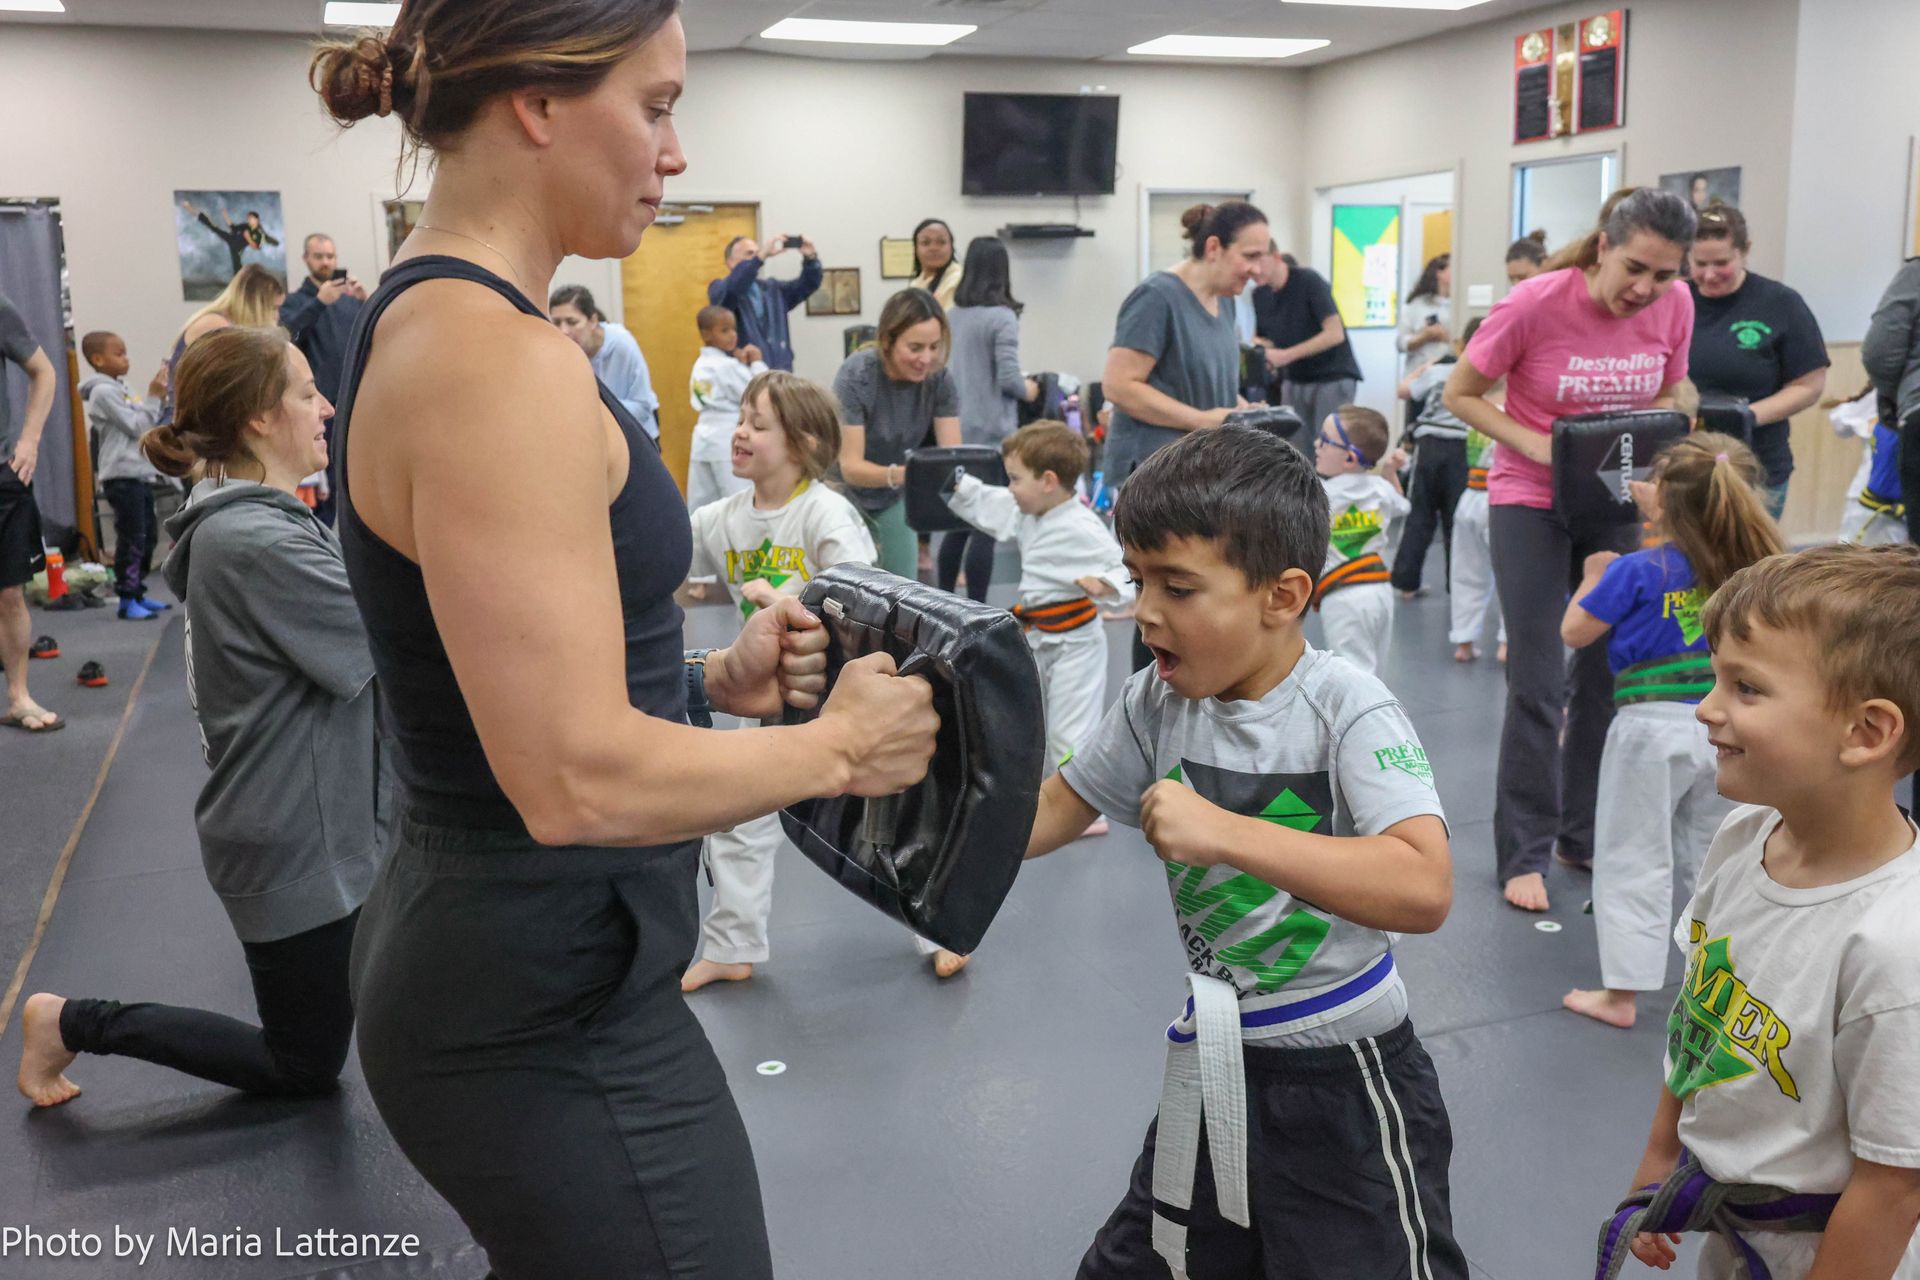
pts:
[1278, 419]
[1596, 454]
[941, 856]
[1729, 415]
[930, 470]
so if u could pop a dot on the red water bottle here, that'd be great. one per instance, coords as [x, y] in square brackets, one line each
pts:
[56, 574]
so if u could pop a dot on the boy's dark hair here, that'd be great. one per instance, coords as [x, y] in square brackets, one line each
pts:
[1242, 487]
[1367, 428]
[710, 318]
[577, 296]
[95, 343]
[1049, 446]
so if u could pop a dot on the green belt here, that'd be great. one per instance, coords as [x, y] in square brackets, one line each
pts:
[1679, 677]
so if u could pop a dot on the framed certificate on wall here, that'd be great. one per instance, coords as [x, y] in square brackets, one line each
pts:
[1600, 83]
[1533, 85]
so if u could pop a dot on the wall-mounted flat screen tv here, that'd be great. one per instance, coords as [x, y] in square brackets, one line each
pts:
[1039, 144]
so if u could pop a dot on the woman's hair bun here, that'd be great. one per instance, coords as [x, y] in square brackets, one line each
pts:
[1539, 236]
[168, 452]
[354, 79]
[1195, 218]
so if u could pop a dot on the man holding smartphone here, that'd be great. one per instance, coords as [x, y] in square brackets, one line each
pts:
[319, 316]
[760, 306]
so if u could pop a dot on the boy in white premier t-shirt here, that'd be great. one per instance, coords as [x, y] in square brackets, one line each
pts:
[1354, 598]
[717, 386]
[1294, 812]
[1789, 1123]
[1068, 562]
[768, 540]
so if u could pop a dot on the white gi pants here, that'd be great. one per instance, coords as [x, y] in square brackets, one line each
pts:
[1471, 588]
[1657, 812]
[711, 479]
[1788, 1255]
[1871, 528]
[1358, 623]
[741, 861]
[1073, 682]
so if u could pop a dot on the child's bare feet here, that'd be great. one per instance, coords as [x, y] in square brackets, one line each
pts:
[1098, 827]
[702, 972]
[1615, 1008]
[947, 963]
[1465, 652]
[1500, 655]
[43, 1054]
[1528, 892]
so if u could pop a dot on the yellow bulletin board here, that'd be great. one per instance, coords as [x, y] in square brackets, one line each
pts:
[1436, 235]
[1366, 264]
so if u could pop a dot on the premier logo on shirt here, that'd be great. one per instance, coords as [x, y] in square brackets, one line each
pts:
[1684, 608]
[1719, 1031]
[1274, 955]
[1751, 334]
[1409, 758]
[1353, 529]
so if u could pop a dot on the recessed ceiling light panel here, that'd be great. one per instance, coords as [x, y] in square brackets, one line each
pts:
[1224, 47]
[825, 31]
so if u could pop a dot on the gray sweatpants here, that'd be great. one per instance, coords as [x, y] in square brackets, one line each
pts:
[1313, 401]
[1558, 709]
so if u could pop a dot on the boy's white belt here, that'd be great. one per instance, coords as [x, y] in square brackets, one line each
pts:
[1206, 1077]
[1207, 1080]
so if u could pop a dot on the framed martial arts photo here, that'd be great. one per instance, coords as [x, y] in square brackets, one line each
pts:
[218, 232]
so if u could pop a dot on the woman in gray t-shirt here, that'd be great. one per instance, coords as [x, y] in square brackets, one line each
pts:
[895, 396]
[292, 818]
[1174, 365]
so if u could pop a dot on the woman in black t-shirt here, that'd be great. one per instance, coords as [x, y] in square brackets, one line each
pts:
[1754, 338]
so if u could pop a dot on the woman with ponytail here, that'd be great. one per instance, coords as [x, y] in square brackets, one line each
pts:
[1658, 804]
[1602, 329]
[292, 818]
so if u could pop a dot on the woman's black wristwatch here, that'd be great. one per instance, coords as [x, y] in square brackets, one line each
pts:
[699, 709]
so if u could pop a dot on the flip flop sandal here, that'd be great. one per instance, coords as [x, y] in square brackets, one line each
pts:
[44, 647]
[93, 675]
[20, 722]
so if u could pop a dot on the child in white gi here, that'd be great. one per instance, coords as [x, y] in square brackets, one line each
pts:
[767, 540]
[717, 385]
[1876, 513]
[1794, 1044]
[1354, 598]
[1069, 561]
[1657, 807]
[1290, 800]
[1470, 593]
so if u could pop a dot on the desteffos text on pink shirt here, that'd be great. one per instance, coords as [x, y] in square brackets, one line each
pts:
[1563, 353]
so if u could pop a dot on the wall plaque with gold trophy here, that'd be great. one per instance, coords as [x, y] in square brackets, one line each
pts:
[1601, 80]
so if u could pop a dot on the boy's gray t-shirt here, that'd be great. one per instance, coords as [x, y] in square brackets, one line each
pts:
[1196, 361]
[898, 416]
[292, 820]
[1328, 751]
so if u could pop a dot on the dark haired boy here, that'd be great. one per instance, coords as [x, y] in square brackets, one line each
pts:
[120, 418]
[1294, 808]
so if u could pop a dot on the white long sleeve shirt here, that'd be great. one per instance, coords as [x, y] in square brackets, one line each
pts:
[716, 387]
[1057, 547]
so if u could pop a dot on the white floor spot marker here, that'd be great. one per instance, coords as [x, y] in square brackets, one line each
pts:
[1547, 926]
[776, 1068]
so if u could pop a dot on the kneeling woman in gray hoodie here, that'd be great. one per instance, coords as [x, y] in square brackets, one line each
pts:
[292, 820]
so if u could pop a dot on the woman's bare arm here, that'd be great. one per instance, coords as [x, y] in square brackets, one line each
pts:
[507, 455]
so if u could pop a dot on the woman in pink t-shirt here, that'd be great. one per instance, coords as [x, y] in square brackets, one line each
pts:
[1602, 329]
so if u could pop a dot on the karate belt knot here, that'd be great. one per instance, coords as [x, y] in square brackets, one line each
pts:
[1357, 572]
[1691, 1200]
[1206, 1079]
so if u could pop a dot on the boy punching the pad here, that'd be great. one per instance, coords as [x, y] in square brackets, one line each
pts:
[1294, 811]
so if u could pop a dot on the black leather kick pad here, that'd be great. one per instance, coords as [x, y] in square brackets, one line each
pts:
[1596, 454]
[928, 471]
[939, 857]
[1729, 415]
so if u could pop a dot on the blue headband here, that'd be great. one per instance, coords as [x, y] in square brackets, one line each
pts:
[1346, 441]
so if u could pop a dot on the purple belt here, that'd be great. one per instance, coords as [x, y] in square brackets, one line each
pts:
[1691, 1200]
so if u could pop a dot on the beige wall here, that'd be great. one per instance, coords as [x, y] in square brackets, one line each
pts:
[1710, 84]
[844, 152]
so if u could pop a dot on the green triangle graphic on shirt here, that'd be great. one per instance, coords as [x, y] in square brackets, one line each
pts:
[1687, 616]
[1352, 530]
[1289, 810]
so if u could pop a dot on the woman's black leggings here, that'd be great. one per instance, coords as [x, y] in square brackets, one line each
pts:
[977, 549]
[306, 1021]
[524, 1036]
[1439, 478]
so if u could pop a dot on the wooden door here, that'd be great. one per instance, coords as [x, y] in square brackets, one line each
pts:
[663, 286]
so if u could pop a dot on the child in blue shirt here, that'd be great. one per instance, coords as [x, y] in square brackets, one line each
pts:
[1658, 806]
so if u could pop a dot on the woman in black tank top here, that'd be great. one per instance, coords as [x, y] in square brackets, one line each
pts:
[514, 540]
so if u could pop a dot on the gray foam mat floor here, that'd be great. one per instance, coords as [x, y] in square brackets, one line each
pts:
[950, 1131]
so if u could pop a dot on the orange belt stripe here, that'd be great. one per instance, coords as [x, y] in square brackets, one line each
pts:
[1067, 615]
[1476, 478]
[1354, 573]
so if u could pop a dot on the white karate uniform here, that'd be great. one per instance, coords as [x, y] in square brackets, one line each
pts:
[1858, 522]
[735, 543]
[1358, 620]
[716, 387]
[1658, 808]
[1470, 592]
